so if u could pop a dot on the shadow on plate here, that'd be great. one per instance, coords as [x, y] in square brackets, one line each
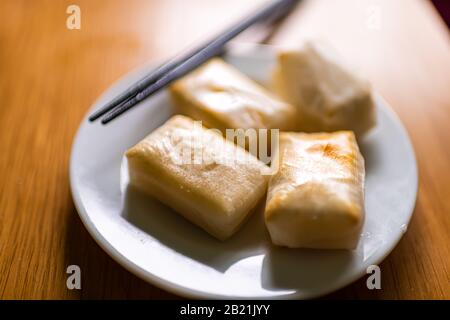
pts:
[368, 149]
[304, 270]
[295, 269]
[177, 233]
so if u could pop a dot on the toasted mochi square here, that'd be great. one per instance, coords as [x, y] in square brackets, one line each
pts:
[224, 98]
[316, 198]
[207, 179]
[328, 95]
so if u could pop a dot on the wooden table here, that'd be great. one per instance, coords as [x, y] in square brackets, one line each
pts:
[49, 76]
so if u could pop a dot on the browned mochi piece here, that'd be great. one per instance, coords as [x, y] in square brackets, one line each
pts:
[224, 98]
[316, 198]
[207, 179]
[328, 95]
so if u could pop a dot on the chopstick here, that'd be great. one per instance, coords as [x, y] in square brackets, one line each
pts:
[181, 65]
[143, 83]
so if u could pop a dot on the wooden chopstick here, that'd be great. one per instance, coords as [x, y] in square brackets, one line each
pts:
[180, 66]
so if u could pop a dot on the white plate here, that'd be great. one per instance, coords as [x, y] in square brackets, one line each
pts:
[161, 247]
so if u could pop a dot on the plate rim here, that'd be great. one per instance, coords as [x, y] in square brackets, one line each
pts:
[172, 287]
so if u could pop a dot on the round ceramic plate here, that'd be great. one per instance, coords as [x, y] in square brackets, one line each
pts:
[161, 247]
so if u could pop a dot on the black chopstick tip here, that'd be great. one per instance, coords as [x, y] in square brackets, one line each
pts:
[105, 120]
[111, 116]
[93, 117]
[97, 114]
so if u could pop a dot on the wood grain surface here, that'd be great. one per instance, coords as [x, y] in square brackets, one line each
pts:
[49, 76]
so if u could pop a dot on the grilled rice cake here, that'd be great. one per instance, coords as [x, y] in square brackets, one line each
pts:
[316, 198]
[328, 95]
[207, 179]
[224, 98]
